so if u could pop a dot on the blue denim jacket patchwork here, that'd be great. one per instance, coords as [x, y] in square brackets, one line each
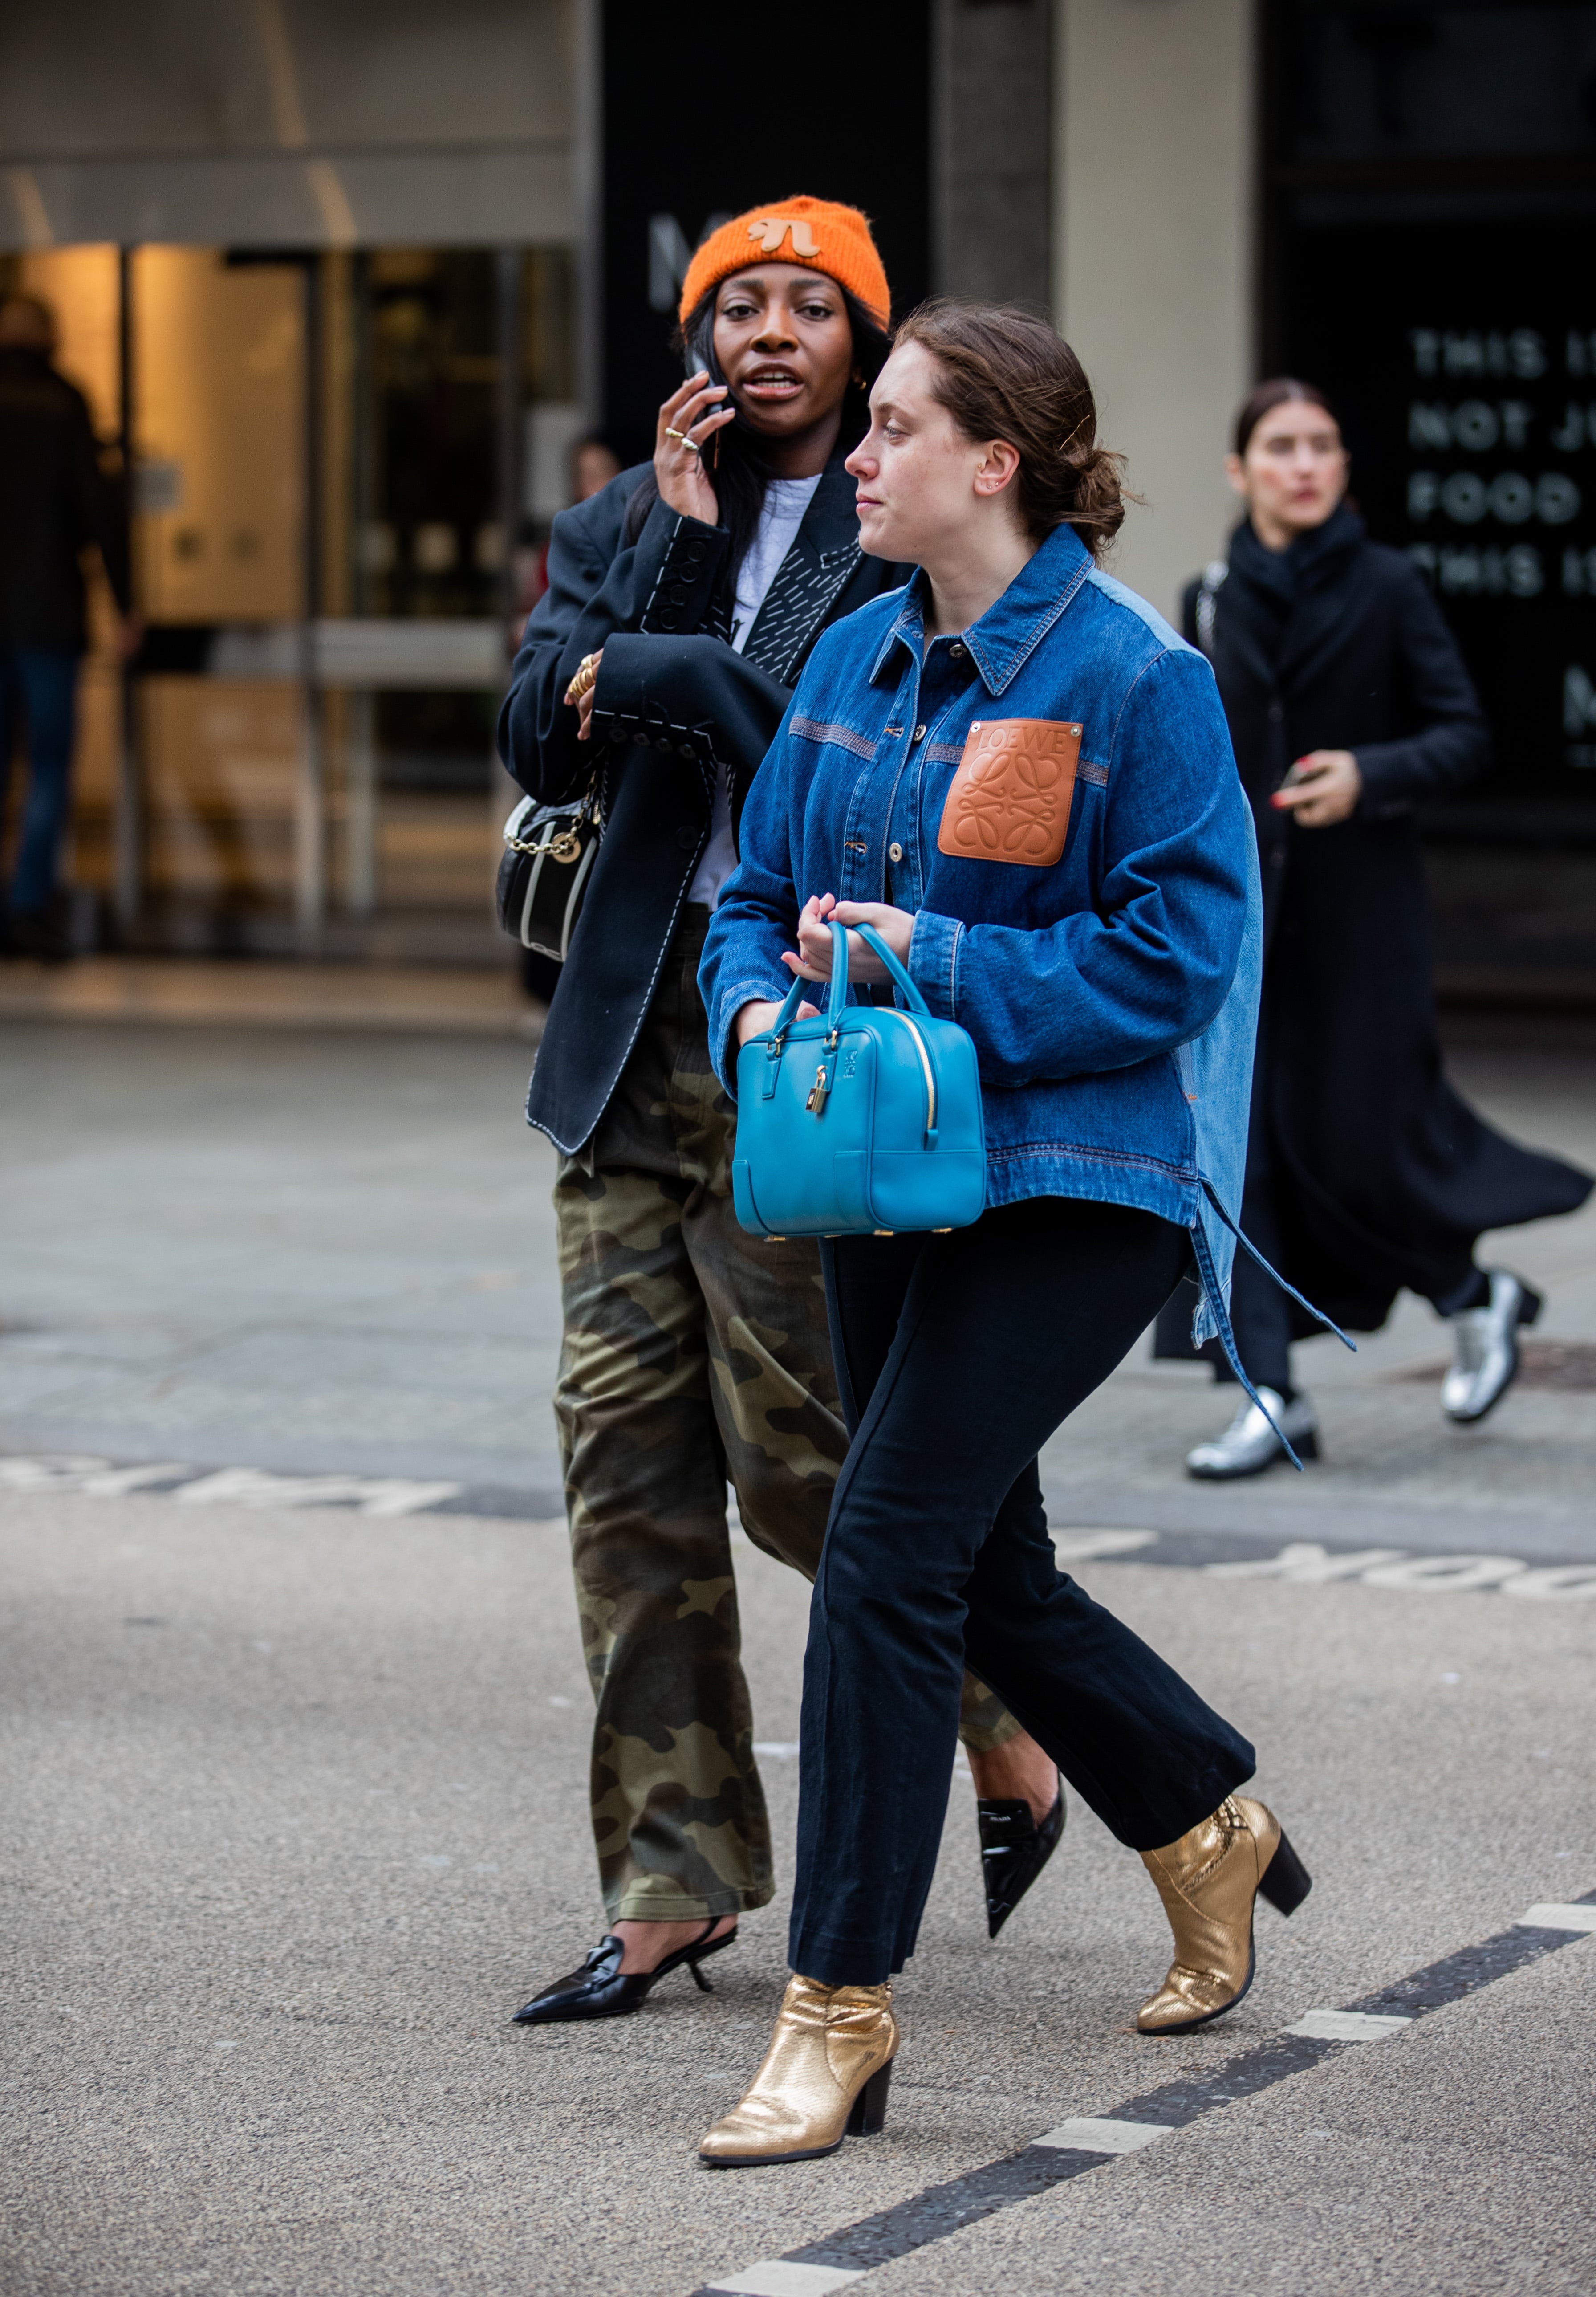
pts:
[1111, 994]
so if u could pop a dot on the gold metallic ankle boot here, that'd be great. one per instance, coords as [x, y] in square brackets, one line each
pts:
[1208, 1880]
[824, 2076]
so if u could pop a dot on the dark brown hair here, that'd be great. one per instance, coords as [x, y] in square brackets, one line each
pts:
[1002, 373]
[1279, 390]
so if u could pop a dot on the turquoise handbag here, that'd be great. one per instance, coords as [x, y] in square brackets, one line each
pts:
[860, 1121]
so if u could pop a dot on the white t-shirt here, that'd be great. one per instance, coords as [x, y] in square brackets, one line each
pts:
[786, 502]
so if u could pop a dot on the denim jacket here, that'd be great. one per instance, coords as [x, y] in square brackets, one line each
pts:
[1112, 995]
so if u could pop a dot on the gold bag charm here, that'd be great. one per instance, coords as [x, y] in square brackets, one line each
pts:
[566, 847]
[818, 1092]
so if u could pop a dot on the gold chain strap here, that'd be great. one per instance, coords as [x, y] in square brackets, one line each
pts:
[566, 845]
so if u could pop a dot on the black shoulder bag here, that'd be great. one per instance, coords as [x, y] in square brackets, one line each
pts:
[548, 858]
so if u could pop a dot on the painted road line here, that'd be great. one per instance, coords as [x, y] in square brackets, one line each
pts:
[1564, 1583]
[779, 2277]
[1348, 2025]
[1074, 2147]
[1085, 2136]
[202, 1487]
[256, 1487]
[1307, 1564]
[1301, 1563]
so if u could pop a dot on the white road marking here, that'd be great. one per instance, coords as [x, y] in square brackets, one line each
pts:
[1445, 1575]
[112, 1483]
[1562, 1582]
[1303, 1562]
[375, 1495]
[1550, 1917]
[1076, 1546]
[1306, 1563]
[1085, 2136]
[1346, 2026]
[778, 2276]
[96, 1478]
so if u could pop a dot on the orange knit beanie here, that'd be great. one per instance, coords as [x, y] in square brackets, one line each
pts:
[819, 234]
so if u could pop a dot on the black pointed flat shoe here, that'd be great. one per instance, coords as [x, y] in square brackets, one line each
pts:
[1014, 1851]
[601, 1989]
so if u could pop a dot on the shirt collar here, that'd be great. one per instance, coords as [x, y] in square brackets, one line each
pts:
[1014, 626]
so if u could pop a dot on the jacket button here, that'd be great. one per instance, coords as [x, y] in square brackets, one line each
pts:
[686, 839]
[685, 750]
[676, 595]
[956, 651]
[669, 620]
[895, 851]
[641, 741]
[663, 742]
[694, 553]
[919, 733]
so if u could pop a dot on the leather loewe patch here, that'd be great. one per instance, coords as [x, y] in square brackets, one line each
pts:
[1010, 798]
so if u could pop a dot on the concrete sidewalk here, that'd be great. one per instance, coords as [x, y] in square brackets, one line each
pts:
[205, 992]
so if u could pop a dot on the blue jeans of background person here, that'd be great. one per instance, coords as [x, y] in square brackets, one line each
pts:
[40, 683]
[957, 1357]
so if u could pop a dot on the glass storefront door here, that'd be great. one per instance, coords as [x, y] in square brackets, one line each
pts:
[326, 462]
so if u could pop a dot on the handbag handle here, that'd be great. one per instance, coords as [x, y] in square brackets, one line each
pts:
[838, 998]
[899, 971]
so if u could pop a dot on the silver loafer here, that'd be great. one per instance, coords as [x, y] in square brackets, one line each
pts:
[1249, 1444]
[1484, 1343]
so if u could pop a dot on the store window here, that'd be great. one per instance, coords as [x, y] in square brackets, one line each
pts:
[1431, 199]
[337, 462]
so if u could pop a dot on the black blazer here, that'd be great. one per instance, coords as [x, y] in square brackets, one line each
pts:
[1369, 666]
[673, 701]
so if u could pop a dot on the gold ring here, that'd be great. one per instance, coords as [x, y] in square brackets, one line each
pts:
[691, 445]
[682, 435]
[586, 678]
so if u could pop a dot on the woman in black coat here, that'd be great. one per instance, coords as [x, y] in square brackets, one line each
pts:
[1349, 706]
[682, 602]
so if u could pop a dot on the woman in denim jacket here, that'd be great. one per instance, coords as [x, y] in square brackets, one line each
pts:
[1088, 909]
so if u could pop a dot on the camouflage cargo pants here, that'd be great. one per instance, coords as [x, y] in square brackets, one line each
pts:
[692, 1353]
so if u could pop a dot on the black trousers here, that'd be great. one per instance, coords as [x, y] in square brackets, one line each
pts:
[957, 1356]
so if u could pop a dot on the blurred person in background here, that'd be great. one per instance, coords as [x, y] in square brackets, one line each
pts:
[595, 461]
[683, 601]
[55, 504]
[1349, 706]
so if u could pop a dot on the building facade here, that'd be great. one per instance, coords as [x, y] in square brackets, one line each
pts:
[347, 286]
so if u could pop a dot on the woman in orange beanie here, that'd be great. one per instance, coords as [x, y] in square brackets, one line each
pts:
[682, 602]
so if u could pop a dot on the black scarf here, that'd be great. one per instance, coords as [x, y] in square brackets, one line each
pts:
[1282, 609]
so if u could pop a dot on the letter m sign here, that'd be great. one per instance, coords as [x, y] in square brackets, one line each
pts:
[1579, 701]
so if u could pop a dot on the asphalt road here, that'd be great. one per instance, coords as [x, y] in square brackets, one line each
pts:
[295, 1809]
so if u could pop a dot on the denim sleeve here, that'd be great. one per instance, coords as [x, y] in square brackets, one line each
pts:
[756, 917]
[1149, 966]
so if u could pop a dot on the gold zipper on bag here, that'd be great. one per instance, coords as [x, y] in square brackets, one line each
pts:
[925, 1063]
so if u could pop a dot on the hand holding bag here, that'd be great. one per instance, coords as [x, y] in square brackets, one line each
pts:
[863, 1121]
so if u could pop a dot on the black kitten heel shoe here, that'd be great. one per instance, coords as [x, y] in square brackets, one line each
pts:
[601, 1989]
[1014, 1851]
